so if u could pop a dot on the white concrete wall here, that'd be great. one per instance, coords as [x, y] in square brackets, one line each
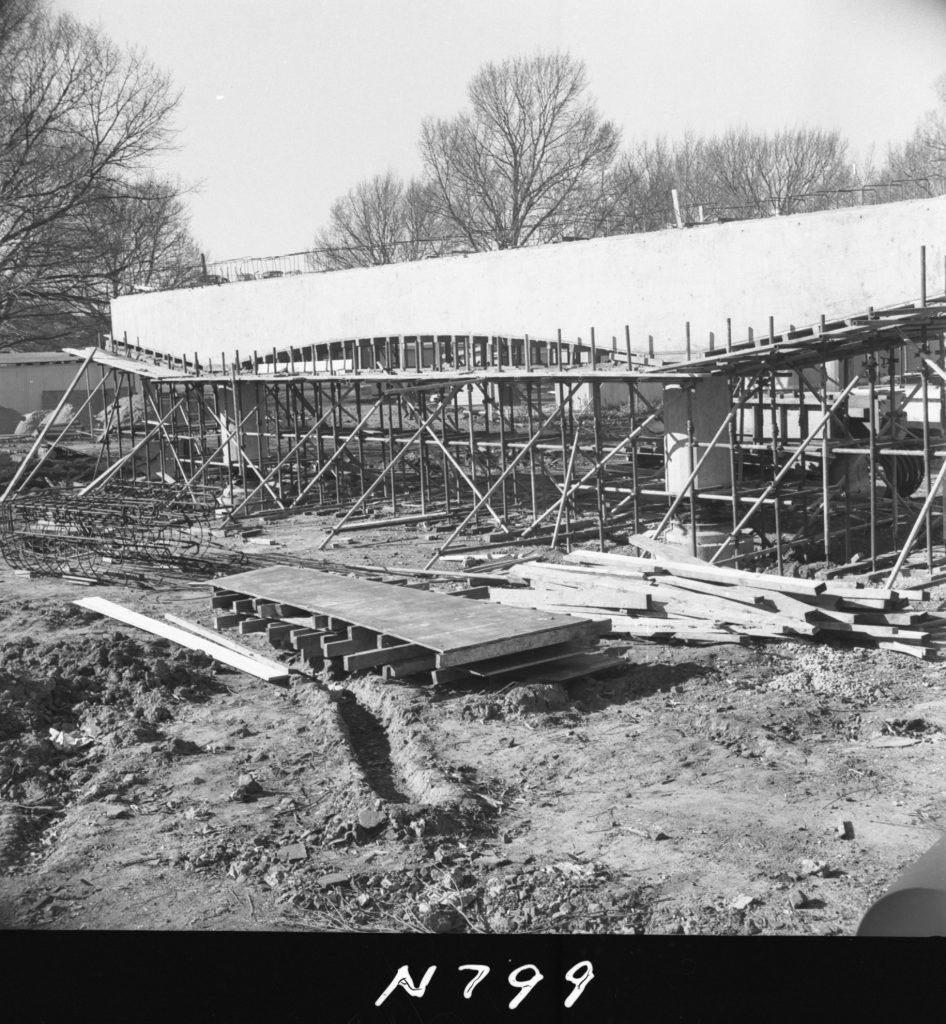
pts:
[792, 268]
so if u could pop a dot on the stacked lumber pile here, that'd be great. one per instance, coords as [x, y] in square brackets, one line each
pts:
[661, 598]
[356, 625]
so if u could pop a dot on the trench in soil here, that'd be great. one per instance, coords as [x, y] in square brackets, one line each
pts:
[372, 749]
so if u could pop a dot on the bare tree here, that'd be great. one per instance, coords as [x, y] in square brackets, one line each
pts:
[643, 178]
[380, 220]
[920, 162]
[527, 158]
[79, 120]
[779, 173]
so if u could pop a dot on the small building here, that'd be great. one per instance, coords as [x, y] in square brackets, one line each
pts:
[33, 380]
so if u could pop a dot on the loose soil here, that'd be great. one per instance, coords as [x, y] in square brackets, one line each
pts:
[695, 790]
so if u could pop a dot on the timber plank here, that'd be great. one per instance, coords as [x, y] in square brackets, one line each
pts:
[253, 626]
[382, 656]
[270, 671]
[523, 660]
[706, 572]
[411, 667]
[358, 640]
[225, 621]
[877, 632]
[601, 596]
[276, 632]
[473, 593]
[215, 637]
[926, 653]
[581, 665]
[567, 571]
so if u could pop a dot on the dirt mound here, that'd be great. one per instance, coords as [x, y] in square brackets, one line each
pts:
[64, 704]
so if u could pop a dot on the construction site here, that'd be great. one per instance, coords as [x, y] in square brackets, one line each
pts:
[595, 587]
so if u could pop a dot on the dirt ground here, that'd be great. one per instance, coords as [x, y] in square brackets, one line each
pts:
[696, 790]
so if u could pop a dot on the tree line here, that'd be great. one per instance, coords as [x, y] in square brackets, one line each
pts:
[85, 218]
[82, 214]
[532, 161]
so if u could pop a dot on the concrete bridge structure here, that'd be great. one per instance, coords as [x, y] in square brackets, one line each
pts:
[719, 278]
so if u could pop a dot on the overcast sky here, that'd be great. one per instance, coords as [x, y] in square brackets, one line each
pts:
[288, 103]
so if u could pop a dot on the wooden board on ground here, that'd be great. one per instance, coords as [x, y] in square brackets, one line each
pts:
[249, 662]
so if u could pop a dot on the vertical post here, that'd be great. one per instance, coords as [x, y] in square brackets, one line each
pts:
[825, 455]
[502, 449]
[361, 438]
[422, 462]
[676, 207]
[872, 461]
[927, 467]
[471, 437]
[892, 402]
[733, 487]
[775, 475]
[632, 416]
[535, 510]
[599, 480]
[691, 459]
[445, 467]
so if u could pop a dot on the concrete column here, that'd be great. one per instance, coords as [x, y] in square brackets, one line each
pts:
[710, 403]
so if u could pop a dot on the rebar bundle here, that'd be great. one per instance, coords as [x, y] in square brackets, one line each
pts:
[121, 534]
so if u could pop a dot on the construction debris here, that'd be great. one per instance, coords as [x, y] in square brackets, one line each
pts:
[116, 535]
[657, 598]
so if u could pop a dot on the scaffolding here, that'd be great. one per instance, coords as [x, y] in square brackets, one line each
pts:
[824, 443]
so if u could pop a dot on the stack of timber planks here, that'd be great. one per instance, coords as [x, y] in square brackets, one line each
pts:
[662, 598]
[356, 625]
